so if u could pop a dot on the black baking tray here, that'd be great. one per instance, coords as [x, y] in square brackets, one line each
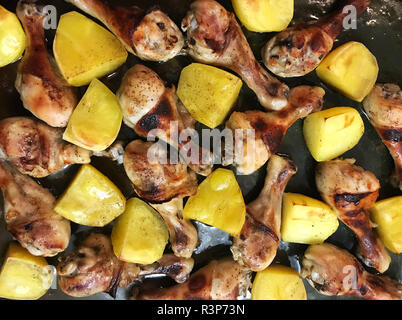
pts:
[379, 29]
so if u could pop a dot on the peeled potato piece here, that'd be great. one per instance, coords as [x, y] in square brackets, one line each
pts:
[24, 276]
[332, 132]
[278, 283]
[351, 69]
[91, 199]
[140, 234]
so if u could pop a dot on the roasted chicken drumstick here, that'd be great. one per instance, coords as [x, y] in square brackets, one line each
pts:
[150, 35]
[42, 88]
[335, 272]
[260, 236]
[29, 214]
[351, 192]
[215, 37]
[384, 107]
[93, 268]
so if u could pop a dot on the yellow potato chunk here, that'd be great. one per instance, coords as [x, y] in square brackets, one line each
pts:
[332, 132]
[350, 69]
[91, 199]
[264, 15]
[218, 202]
[12, 37]
[387, 214]
[208, 93]
[96, 121]
[140, 234]
[306, 220]
[278, 283]
[84, 50]
[24, 276]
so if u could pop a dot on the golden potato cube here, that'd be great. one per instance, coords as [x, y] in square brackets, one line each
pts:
[208, 93]
[278, 282]
[24, 276]
[350, 69]
[332, 132]
[306, 220]
[91, 199]
[12, 37]
[264, 15]
[387, 214]
[84, 50]
[140, 234]
[96, 121]
[218, 202]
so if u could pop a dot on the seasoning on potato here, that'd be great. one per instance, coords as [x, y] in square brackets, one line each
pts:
[264, 15]
[96, 121]
[278, 282]
[350, 69]
[208, 93]
[387, 214]
[84, 50]
[140, 234]
[306, 220]
[12, 37]
[24, 276]
[218, 202]
[91, 199]
[332, 132]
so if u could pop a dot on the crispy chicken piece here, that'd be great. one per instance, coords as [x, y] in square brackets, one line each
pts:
[351, 192]
[153, 110]
[384, 107]
[150, 35]
[269, 128]
[29, 214]
[215, 37]
[299, 49]
[43, 90]
[335, 272]
[93, 268]
[219, 280]
[260, 236]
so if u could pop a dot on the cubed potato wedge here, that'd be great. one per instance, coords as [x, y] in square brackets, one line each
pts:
[96, 121]
[332, 132]
[84, 50]
[306, 220]
[350, 69]
[218, 202]
[208, 93]
[24, 276]
[91, 199]
[12, 37]
[387, 214]
[278, 282]
[264, 15]
[140, 234]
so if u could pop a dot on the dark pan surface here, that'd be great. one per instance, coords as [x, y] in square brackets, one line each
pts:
[379, 28]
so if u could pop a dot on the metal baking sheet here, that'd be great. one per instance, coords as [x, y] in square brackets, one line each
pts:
[379, 28]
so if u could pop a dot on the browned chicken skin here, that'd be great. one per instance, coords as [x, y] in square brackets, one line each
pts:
[270, 127]
[219, 280]
[335, 272]
[351, 192]
[93, 268]
[215, 37]
[384, 107]
[150, 35]
[153, 110]
[29, 214]
[260, 236]
[298, 50]
[43, 90]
